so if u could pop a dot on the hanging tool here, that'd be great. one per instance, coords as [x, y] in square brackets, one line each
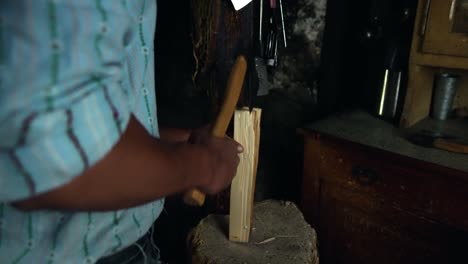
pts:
[234, 86]
[260, 28]
[282, 23]
[261, 75]
[271, 44]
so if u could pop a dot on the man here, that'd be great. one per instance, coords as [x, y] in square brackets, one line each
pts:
[82, 171]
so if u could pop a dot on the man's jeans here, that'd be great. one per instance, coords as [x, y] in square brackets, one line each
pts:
[144, 251]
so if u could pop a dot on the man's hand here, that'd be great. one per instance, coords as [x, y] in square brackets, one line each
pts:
[223, 156]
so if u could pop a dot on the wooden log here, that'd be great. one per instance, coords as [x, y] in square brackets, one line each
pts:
[279, 235]
[247, 133]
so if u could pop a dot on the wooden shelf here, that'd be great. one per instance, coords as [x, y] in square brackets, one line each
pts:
[442, 61]
[422, 69]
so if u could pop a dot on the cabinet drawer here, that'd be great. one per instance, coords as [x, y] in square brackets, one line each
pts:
[427, 189]
[361, 230]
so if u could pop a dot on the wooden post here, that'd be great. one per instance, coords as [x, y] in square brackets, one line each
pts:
[247, 133]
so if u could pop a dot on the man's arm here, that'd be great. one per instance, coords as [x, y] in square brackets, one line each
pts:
[140, 169]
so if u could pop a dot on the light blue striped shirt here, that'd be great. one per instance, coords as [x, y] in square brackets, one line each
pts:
[71, 74]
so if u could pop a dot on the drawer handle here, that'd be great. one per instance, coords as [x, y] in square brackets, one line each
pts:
[364, 176]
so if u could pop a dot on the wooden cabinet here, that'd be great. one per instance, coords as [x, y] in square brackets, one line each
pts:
[360, 234]
[374, 206]
[439, 44]
[445, 28]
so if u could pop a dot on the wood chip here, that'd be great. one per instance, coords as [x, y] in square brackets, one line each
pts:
[266, 241]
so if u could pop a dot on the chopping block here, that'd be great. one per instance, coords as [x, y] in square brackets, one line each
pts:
[279, 235]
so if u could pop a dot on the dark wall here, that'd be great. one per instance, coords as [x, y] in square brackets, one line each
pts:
[359, 41]
[180, 104]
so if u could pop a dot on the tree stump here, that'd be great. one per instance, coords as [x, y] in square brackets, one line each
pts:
[279, 234]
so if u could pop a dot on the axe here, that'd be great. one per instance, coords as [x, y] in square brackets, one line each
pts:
[233, 90]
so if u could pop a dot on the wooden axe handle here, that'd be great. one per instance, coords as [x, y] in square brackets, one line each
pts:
[234, 86]
[450, 146]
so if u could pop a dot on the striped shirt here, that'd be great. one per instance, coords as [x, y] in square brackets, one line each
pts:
[71, 74]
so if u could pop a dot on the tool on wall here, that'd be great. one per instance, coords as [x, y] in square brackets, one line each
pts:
[234, 86]
[282, 24]
[271, 44]
[266, 51]
[274, 29]
[271, 38]
[261, 74]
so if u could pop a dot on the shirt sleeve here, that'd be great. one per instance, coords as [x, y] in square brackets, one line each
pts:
[62, 102]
